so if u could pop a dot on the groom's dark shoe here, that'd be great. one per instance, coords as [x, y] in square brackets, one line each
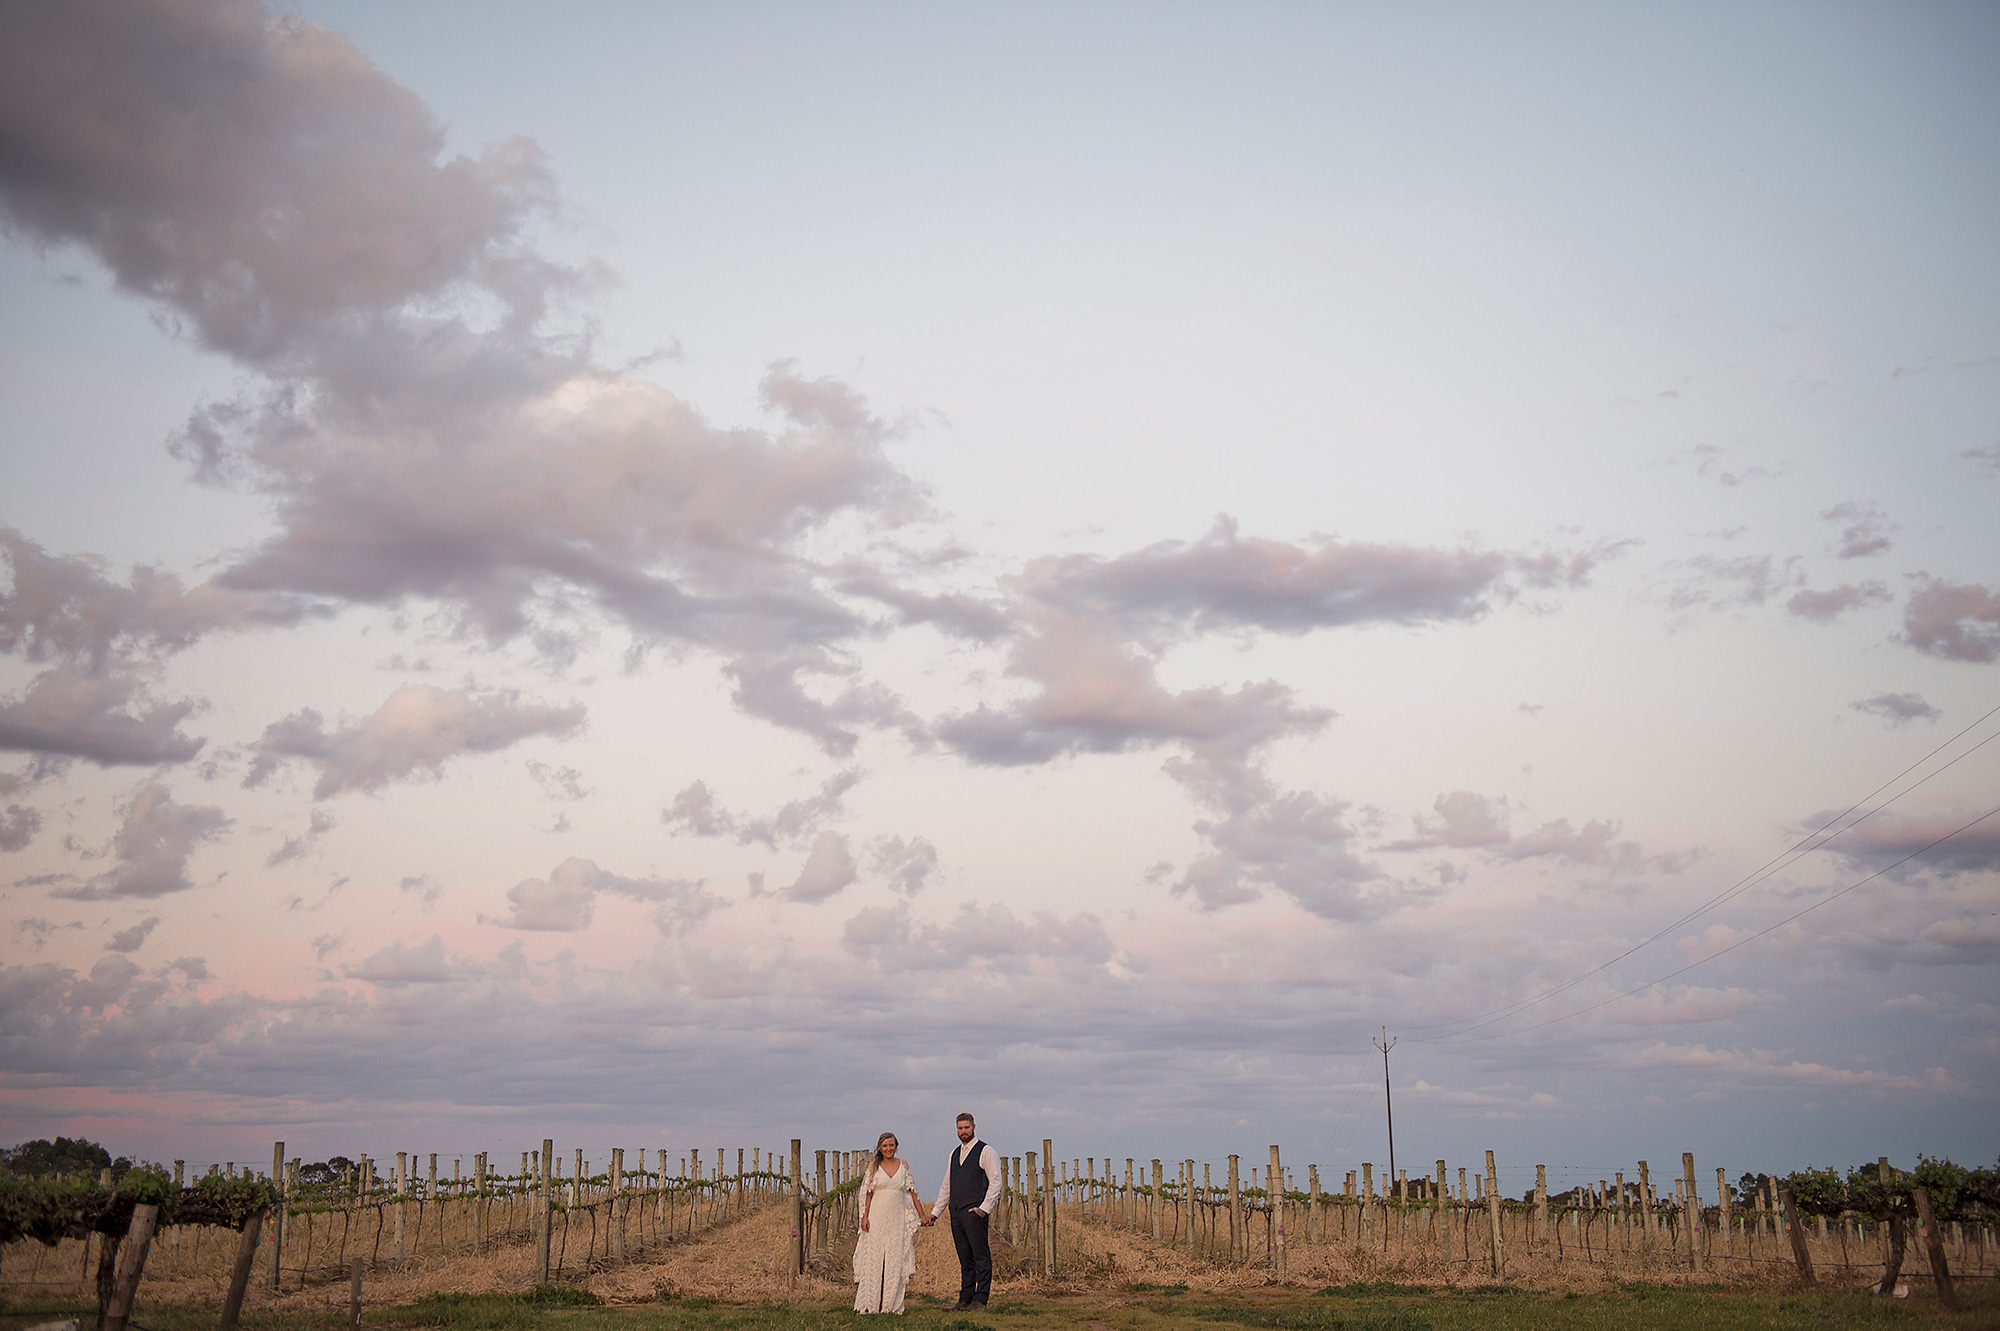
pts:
[963, 1306]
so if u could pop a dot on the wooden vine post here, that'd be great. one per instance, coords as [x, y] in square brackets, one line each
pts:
[1049, 1190]
[1275, 1185]
[278, 1224]
[1493, 1215]
[798, 1210]
[1722, 1212]
[1892, 1263]
[1692, 1203]
[1542, 1208]
[239, 1275]
[131, 1265]
[1238, 1248]
[1441, 1214]
[544, 1212]
[1159, 1182]
[1927, 1227]
[1796, 1232]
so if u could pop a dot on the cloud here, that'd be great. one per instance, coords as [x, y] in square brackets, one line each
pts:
[423, 888]
[1224, 582]
[1864, 529]
[295, 847]
[828, 868]
[1834, 602]
[991, 937]
[153, 846]
[1954, 621]
[1465, 820]
[132, 939]
[908, 865]
[1989, 455]
[65, 608]
[18, 825]
[566, 900]
[291, 207]
[1716, 583]
[695, 813]
[1898, 709]
[38, 931]
[559, 783]
[106, 718]
[400, 963]
[1887, 837]
[415, 732]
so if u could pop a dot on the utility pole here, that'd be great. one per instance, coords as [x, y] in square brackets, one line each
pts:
[1385, 1044]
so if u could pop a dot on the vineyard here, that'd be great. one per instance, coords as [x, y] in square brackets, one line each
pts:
[763, 1226]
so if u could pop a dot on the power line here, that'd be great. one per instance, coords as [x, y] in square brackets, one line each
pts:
[1743, 942]
[1784, 859]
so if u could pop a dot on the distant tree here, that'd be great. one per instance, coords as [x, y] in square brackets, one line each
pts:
[64, 1155]
[325, 1172]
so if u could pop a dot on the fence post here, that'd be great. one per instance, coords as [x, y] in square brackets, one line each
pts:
[354, 1297]
[544, 1213]
[798, 1211]
[1493, 1214]
[1441, 1214]
[1276, 1188]
[1797, 1233]
[1692, 1203]
[278, 1225]
[239, 1276]
[131, 1265]
[1542, 1208]
[1927, 1226]
[1722, 1212]
[1159, 1180]
[1237, 1246]
[1049, 1189]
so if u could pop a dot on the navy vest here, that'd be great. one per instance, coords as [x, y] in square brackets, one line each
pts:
[968, 1177]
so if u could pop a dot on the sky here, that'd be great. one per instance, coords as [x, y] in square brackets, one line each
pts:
[684, 576]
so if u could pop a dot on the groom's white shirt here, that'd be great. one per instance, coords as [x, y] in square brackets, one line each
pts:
[988, 1161]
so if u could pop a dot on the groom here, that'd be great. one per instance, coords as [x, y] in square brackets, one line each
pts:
[971, 1187]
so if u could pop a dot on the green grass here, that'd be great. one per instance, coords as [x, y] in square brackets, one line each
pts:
[1375, 1306]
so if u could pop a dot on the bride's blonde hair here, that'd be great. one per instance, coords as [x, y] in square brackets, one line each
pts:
[875, 1161]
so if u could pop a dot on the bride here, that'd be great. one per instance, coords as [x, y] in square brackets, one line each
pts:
[886, 1256]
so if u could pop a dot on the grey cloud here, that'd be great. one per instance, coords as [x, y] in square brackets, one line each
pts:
[695, 812]
[829, 867]
[400, 963]
[1465, 820]
[1898, 709]
[132, 939]
[1989, 455]
[566, 900]
[1834, 602]
[559, 783]
[193, 968]
[296, 847]
[261, 181]
[153, 846]
[1954, 621]
[957, 613]
[992, 934]
[107, 718]
[1224, 581]
[1864, 529]
[1716, 583]
[415, 732]
[18, 825]
[1887, 837]
[908, 865]
[422, 887]
[38, 931]
[65, 608]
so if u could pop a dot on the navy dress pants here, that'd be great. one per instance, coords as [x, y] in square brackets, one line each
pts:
[975, 1258]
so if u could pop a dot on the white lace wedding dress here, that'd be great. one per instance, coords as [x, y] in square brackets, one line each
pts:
[886, 1256]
